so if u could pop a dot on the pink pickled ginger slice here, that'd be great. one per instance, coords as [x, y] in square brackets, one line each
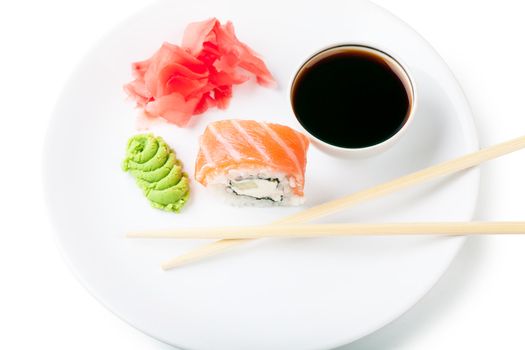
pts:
[178, 82]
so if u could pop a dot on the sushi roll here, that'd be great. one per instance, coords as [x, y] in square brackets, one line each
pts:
[253, 163]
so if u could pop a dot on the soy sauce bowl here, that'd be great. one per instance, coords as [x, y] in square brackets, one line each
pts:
[353, 100]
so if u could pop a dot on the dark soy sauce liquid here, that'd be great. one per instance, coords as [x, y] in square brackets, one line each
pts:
[351, 98]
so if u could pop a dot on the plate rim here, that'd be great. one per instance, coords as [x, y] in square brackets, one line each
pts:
[470, 133]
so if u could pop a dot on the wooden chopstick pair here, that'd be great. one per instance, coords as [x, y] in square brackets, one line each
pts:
[289, 224]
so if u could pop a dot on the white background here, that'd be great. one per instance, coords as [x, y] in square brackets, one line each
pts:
[478, 304]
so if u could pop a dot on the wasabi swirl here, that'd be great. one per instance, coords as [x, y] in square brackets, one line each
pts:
[157, 171]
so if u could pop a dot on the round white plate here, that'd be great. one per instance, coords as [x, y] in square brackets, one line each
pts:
[272, 294]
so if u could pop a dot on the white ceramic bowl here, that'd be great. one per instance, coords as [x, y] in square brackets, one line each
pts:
[398, 68]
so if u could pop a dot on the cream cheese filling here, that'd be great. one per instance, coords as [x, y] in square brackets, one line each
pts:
[258, 188]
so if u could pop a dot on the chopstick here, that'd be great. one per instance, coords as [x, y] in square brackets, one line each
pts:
[432, 172]
[326, 230]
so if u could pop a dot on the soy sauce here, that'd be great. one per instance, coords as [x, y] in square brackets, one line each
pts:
[351, 98]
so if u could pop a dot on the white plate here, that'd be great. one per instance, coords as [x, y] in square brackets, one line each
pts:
[274, 294]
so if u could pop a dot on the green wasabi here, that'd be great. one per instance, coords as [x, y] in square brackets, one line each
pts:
[157, 171]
